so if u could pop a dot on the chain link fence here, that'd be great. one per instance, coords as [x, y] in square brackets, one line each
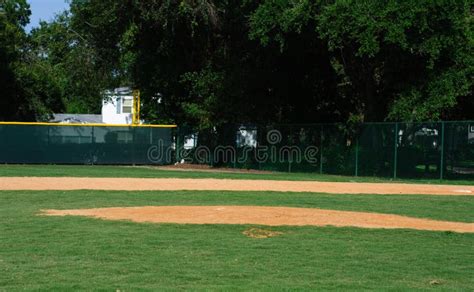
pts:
[438, 150]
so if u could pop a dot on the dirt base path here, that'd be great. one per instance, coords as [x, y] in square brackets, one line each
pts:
[272, 216]
[172, 184]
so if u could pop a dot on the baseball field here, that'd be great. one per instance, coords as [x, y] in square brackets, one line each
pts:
[144, 228]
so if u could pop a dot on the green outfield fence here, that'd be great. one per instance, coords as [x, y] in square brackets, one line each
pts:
[439, 150]
[45, 143]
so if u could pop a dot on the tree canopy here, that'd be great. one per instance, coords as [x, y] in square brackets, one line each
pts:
[206, 63]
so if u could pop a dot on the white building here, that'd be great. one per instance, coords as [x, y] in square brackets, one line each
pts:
[117, 106]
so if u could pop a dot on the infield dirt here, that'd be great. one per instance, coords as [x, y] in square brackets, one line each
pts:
[174, 184]
[270, 216]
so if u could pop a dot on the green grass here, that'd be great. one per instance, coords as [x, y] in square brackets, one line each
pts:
[153, 172]
[38, 252]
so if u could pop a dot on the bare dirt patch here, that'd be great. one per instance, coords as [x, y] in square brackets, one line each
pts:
[174, 184]
[260, 233]
[271, 216]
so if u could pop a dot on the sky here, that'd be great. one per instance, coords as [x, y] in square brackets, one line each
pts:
[44, 10]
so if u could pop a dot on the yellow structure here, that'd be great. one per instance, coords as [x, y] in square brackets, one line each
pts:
[136, 107]
[82, 125]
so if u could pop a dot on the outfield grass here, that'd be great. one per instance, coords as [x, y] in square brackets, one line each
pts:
[153, 172]
[38, 252]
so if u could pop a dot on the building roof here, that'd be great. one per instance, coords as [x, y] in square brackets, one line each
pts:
[76, 118]
[120, 91]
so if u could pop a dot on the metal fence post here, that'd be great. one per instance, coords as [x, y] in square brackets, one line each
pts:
[133, 145]
[290, 137]
[395, 152]
[92, 135]
[357, 157]
[93, 145]
[441, 164]
[233, 157]
[178, 145]
[321, 150]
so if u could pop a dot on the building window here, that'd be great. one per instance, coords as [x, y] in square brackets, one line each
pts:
[127, 106]
[119, 105]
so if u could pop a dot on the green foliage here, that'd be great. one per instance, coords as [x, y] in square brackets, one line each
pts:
[273, 20]
[205, 90]
[13, 16]
[434, 34]
[73, 63]
[30, 91]
[401, 60]
[50, 70]
[207, 63]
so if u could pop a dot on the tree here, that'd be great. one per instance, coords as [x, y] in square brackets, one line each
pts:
[30, 91]
[396, 60]
[13, 17]
[198, 58]
[161, 46]
[209, 63]
[71, 62]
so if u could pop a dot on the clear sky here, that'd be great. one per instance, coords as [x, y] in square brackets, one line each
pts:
[44, 10]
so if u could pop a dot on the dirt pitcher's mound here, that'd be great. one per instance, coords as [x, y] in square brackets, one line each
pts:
[272, 216]
[175, 184]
